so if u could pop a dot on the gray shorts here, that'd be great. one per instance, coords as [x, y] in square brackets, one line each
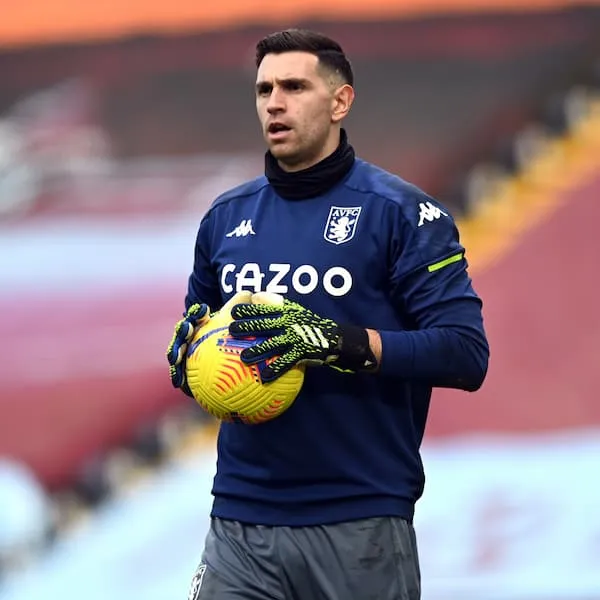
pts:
[369, 559]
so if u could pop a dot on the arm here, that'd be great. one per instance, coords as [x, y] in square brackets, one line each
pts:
[443, 343]
[203, 283]
[444, 356]
[375, 346]
[202, 295]
[446, 344]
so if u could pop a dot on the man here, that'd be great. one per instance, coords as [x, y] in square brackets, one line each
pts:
[319, 502]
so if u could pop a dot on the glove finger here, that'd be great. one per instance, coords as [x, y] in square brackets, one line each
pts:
[262, 327]
[275, 346]
[173, 347]
[254, 311]
[197, 311]
[184, 331]
[280, 366]
[197, 315]
[177, 376]
[176, 355]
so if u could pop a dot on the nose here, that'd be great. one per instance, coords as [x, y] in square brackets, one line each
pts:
[276, 102]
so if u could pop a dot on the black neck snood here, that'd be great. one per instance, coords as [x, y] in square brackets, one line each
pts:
[315, 180]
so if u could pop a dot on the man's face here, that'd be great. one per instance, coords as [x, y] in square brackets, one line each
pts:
[298, 106]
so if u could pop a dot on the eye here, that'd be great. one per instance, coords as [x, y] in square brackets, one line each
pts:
[263, 90]
[294, 86]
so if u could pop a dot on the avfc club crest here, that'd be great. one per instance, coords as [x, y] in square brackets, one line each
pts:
[341, 224]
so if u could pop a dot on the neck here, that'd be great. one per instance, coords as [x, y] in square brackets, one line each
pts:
[315, 179]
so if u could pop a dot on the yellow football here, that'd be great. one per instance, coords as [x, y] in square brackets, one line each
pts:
[226, 387]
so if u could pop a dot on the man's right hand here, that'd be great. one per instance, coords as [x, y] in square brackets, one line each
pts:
[196, 316]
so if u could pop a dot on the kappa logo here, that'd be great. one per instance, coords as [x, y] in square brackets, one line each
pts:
[429, 212]
[242, 230]
[341, 224]
[194, 593]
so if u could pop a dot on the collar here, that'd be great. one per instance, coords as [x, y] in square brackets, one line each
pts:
[315, 180]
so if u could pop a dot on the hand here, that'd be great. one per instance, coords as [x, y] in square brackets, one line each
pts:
[298, 336]
[196, 316]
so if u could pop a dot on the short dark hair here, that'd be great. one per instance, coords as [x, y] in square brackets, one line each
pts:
[328, 51]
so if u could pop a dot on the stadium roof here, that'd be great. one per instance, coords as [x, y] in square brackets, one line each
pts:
[48, 21]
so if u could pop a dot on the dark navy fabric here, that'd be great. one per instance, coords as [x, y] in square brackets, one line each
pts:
[373, 251]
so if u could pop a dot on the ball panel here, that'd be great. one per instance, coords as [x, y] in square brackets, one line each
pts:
[227, 388]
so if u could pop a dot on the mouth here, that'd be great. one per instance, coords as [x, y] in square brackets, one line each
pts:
[278, 130]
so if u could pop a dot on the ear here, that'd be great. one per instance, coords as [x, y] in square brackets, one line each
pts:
[342, 102]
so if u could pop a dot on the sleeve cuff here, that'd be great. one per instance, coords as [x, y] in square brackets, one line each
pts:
[397, 353]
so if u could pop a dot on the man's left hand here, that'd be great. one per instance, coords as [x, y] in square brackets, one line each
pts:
[296, 335]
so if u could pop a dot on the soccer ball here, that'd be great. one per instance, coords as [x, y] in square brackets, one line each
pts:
[226, 387]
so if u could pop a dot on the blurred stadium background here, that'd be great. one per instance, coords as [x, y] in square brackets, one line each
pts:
[118, 126]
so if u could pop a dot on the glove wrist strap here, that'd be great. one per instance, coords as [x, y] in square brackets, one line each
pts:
[354, 353]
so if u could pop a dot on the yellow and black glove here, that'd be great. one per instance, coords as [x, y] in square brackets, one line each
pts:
[296, 335]
[196, 316]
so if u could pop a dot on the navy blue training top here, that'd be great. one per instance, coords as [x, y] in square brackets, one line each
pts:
[373, 251]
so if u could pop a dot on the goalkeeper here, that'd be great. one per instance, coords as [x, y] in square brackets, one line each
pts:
[318, 503]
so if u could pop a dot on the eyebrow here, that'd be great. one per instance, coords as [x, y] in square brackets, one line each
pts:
[285, 82]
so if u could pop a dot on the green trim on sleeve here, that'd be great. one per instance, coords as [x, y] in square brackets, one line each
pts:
[444, 263]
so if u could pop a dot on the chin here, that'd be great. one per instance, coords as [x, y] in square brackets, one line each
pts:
[284, 154]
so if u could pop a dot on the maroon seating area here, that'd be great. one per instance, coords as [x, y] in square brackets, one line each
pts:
[544, 372]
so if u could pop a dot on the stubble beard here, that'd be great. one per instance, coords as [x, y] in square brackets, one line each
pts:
[297, 157]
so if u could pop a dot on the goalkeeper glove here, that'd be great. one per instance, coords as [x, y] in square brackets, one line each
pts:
[196, 316]
[299, 336]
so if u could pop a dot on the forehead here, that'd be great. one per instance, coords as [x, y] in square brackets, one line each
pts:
[288, 65]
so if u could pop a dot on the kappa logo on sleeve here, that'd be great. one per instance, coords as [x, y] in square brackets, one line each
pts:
[429, 212]
[341, 224]
[242, 230]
